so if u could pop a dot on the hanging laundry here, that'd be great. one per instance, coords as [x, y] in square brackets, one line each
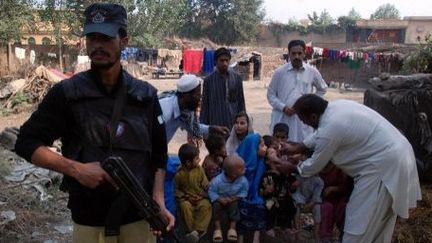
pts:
[147, 55]
[32, 56]
[209, 62]
[162, 53]
[354, 63]
[192, 61]
[309, 50]
[318, 51]
[326, 53]
[333, 54]
[129, 53]
[20, 53]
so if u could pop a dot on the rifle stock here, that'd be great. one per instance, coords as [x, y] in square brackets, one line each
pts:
[128, 183]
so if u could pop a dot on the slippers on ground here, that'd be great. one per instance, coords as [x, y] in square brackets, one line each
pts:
[232, 235]
[217, 236]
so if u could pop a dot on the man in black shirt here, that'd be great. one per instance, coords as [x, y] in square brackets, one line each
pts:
[222, 96]
[79, 111]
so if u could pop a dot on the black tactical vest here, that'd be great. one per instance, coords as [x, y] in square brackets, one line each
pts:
[92, 110]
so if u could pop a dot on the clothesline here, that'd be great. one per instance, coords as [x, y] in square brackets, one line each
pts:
[335, 54]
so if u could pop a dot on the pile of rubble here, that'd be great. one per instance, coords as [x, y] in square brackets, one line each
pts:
[31, 89]
[32, 209]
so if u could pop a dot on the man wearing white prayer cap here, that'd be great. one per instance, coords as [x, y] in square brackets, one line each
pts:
[179, 109]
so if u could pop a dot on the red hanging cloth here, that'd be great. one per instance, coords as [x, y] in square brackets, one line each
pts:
[192, 61]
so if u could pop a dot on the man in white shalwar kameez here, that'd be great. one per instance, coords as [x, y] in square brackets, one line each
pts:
[288, 83]
[369, 149]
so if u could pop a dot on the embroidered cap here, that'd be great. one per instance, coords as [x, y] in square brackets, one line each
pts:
[187, 83]
[104, 18]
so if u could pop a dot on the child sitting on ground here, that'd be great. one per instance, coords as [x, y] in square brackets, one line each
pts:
[225, 190]
[335, 195]
[191, 193]
[275, 191]
[212, 164]
[307, 198]
[242, 127]
[252, 209]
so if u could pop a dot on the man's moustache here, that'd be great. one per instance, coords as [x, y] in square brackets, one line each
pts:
[98, 52]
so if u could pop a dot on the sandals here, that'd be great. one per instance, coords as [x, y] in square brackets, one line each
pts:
[232, 235]
[217, 236]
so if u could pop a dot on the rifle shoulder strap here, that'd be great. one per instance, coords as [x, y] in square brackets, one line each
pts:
[120, 100]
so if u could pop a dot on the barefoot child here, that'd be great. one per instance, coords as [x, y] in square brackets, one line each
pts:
[191, 193]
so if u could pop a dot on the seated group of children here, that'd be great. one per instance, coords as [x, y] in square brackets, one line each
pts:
[197, 198]
[213, 191]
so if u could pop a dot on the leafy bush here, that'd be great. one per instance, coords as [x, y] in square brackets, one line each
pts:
[420, 61]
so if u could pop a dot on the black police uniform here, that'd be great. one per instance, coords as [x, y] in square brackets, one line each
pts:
[78, 111]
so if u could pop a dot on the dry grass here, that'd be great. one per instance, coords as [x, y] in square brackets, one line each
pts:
[418, 228]
[35, 220]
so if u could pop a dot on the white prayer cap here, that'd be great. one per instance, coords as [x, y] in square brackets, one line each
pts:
[187, 83]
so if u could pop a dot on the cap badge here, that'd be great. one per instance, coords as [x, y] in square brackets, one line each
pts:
[98, 18]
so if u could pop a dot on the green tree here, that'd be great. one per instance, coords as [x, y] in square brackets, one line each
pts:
[420, 61]
[386, 11]
[65, 18]
[353, 14]
[350, 20]
[150, 21]
[14, 16]
[321, 22]
[223, 21]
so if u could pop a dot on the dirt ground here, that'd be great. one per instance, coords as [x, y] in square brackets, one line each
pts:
[36, 220]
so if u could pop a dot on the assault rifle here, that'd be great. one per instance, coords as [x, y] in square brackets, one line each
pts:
[128, 183]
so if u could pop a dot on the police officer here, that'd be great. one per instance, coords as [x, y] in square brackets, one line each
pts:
[81, 112]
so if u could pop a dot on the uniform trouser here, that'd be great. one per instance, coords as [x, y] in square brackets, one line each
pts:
[197, 217]
[137, 232]
[381, 225]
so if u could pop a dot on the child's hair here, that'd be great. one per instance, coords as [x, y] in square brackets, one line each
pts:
[269, 140]
[214, 142]
[281, 127]
[230, 163]
[242, 114]
[187, 152]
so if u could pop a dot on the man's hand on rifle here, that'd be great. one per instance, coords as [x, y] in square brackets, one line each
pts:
[169, 217]
[92, 175]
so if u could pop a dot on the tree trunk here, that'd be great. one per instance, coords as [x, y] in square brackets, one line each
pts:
[9, 56]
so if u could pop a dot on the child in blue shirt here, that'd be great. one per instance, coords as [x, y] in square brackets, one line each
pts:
[225, 190]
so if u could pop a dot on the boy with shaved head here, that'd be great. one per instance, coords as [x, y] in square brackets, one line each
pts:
[225, 190]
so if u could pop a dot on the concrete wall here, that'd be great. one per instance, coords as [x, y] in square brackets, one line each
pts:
[40, 36]
[328, 40]
[417, 28]
[337, 71]
[70, 54]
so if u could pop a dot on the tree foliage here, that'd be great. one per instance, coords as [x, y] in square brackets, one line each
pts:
[223, 21]
[321, 22]
[14, 16]
[386, 11]
[150, 21]
[350, 20]
[353, 14]
[420, 61]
